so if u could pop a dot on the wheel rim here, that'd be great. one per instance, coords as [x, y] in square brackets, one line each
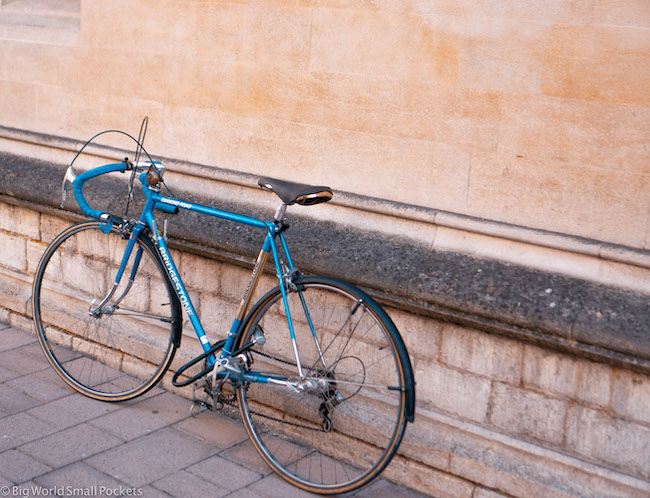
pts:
[114, 353]
[289, 429]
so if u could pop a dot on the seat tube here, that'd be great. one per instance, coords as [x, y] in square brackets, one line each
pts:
[285, 302]
[245, 303]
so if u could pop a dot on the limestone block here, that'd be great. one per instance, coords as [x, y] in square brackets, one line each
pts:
[233, 282]
[18, 104]
[41, 63]
[574, 130]
[530, 471]
[548, 195]
[628, 13]
[595, 63]
[487, 12]
[14, 251]
[617, 443]
[563, 375]
[34, 252]
[221, 31]
[631, 398]
[482, 354]
[632, 138]
[527, 414]
[486, 493]
[279, 37]
[425, 479]
[217, 315]
[51, 226]
[422, 336]
[379, 43]
[199, 273]
[505, 57]
[19, 220]
[451, 391]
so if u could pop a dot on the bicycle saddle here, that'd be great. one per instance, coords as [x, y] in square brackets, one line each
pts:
[299, 193]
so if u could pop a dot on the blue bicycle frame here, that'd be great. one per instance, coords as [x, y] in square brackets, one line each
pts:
[170, 205]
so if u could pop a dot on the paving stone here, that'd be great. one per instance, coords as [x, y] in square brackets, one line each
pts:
[151, 492]
[70, 445]
[214, 468]
[14, 401]
[272, 485]
[45, 385]
[216, 429]
[18, 467]
[11, 338]
[22, 428]
[126, 382]
[31, 488]
[72, 410]
[182, 484]
[245, 493]
[384, 489]
[151, 457]
[145, 416]
[245, 454]
[78, 475]
[34, 350]
[6, 374]
[21, 362]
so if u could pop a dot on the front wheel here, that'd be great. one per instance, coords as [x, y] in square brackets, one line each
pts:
[339, 423]
[94, 338]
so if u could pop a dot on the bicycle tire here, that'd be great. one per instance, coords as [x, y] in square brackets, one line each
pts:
[122, 352]
[365, 369]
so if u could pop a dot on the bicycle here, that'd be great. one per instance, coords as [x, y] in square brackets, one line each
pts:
[317, 369]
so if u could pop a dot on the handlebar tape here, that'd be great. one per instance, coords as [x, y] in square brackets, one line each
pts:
[77, 186]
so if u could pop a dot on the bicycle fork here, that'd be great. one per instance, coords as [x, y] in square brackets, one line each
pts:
[101, 308]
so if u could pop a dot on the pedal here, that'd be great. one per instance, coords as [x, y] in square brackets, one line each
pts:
[203, 401]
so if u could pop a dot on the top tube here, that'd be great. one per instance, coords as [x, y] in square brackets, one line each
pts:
[154, 199]
[246, 220]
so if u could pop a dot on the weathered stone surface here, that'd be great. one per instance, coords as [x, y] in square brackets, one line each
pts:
[527, 414]
[621, 444]
[483, 354]
[632, 396]
[568, 376]
[531, 303]
[452, 391]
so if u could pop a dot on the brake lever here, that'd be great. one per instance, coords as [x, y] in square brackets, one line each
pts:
[69, 177]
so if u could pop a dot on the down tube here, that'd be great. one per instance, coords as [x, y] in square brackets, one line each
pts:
[181, 292]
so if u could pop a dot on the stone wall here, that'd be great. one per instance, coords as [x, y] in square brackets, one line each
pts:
[525, 113]
[490, 163]
[494, 414]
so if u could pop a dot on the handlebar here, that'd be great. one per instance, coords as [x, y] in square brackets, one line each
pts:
[78, 183]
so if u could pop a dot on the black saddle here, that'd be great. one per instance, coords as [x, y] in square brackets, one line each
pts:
[289, 192]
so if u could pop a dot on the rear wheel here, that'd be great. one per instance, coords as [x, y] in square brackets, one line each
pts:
[93, 346]
[341, 422]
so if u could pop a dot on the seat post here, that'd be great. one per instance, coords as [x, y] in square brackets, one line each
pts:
[279, 214]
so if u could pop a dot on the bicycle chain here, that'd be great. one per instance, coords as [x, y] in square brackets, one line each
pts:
[231, 400]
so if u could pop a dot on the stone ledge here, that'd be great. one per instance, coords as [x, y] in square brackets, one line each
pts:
[585, 318]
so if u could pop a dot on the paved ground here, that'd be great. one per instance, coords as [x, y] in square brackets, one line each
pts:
[55, 441]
